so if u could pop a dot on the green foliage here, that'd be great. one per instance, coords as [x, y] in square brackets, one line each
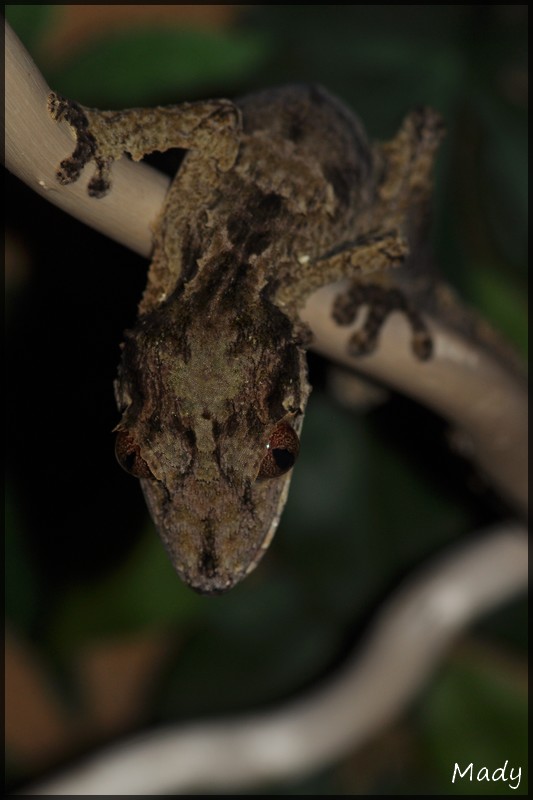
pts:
[502, 301]
[476, 711]
[143, 64]
[142, 593]
[21, 584]
[30, 22]
[120, 70]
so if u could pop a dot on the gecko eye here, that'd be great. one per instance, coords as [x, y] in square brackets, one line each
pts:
[129, 458]
[282, 449]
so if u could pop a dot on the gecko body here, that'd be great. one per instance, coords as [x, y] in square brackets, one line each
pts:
[279, 194]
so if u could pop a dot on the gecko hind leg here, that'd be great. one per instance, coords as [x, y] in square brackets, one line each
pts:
[381, 302]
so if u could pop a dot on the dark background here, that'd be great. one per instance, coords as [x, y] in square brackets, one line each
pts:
[92, 602]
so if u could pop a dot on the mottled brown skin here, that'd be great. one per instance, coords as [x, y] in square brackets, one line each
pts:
[278, 195]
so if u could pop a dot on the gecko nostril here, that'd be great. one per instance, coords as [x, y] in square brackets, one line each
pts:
[208, 558]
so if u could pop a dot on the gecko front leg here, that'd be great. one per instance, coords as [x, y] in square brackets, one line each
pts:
[104, 136]
[209, 131]
[390, 225]
[381, 302]
[405, 183]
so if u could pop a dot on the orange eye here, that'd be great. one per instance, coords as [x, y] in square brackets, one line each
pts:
[129, 458]
[282, 451]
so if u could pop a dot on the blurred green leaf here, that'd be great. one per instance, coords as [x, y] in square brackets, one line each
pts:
[21, 587]
[135, 66]
[326, 531]
[261, 641]
[505, 154]
[30, 21]
[502, 302]
[476, 711]
[144, 592]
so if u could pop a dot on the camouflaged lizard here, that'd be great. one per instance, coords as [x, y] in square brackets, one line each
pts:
[279, 193]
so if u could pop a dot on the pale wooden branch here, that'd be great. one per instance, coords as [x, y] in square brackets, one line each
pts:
[405, 643]
[35, 145]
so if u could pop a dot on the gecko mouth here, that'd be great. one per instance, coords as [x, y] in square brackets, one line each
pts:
[210, 591]
[212, 584]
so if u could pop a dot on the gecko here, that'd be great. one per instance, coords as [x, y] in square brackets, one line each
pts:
[279, 193]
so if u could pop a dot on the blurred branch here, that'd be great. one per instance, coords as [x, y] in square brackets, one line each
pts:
[404, 644]
[485, 399]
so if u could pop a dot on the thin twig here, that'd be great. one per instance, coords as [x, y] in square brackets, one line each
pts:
[405, 643]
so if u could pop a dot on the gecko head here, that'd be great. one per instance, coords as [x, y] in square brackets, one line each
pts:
[217, 522]
[211, 427]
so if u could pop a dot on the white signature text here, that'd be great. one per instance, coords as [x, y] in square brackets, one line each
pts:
[512, 777]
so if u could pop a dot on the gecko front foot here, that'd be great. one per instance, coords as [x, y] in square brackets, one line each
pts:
[86, 147]
[381, 302]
